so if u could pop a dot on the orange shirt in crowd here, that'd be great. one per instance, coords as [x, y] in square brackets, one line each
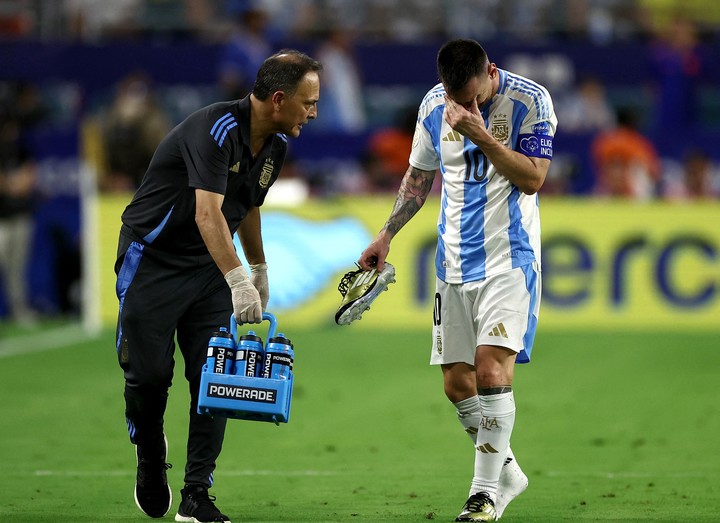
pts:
[626, 164]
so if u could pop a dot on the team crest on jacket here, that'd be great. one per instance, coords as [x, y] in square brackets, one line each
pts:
[500, 129]
[266, 173]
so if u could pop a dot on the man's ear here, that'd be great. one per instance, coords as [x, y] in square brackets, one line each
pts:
[492, 70]
[278, 97]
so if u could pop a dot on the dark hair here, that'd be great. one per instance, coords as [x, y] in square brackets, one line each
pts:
[460, 60]
[283, 72]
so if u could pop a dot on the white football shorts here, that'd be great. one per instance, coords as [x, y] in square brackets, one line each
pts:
[500, 310]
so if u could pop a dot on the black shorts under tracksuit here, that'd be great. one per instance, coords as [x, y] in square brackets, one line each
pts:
[168, 285]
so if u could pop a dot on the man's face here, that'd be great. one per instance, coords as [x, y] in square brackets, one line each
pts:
[479, 88]
[297, 109]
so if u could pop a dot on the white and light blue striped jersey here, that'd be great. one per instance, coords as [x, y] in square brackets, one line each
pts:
[486, 224]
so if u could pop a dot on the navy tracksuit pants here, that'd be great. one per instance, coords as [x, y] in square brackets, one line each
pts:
[163, 296]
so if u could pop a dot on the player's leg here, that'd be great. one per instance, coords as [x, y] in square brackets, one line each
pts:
[205, 433]
[494, 415]
[512, 481]
[144, 345]
[454, 350]
[460, 387]
[494, 367]
[506, 315]
[145, 355]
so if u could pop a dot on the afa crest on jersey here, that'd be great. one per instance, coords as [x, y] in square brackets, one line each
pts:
[266, 173]
[500, 129]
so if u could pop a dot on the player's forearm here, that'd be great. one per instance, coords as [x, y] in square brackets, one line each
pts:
[414, 190]
[525, 173]
[250, 235]
[214, 231]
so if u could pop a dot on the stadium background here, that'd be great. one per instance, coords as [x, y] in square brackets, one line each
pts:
[78, 74]
[635, 282]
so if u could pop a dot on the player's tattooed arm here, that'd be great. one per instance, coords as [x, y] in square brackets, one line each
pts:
[414, 190]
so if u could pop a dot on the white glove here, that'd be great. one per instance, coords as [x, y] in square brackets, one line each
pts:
[259, 278]
[247, 307]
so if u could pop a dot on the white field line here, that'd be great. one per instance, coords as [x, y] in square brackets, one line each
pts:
[44, 341]
[129, 472]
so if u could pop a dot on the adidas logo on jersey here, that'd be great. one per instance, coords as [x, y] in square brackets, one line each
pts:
[499, 330]
[453, 136]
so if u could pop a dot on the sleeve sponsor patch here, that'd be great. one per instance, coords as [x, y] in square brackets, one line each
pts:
[537, 146]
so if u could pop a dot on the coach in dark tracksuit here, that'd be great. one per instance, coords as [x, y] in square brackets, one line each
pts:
[178, 272]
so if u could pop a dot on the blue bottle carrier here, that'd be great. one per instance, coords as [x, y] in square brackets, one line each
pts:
[244, 380]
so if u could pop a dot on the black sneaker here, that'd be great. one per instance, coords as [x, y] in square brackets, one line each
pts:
[478, 507]
[197, 506]
[152, 493]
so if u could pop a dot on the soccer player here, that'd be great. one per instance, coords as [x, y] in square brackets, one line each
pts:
[178, 274]
[490, 133]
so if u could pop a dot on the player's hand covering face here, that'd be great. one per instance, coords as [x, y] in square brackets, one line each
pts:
[462, 107]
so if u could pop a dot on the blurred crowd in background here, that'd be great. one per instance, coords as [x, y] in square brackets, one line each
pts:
[376, 20]
[84, 100]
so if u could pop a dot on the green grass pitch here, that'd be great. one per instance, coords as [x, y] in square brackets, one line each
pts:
[609, 427]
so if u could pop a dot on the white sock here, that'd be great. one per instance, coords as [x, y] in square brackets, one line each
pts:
[493, 441]
[510, 456]
[469, 414]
